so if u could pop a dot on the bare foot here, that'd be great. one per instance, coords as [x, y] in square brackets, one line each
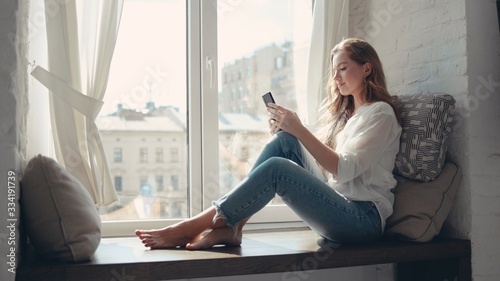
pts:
[224, 235]
[167, 237]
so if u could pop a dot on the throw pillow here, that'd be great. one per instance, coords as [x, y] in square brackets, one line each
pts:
[427, 125]
[420, 208]
[61, 220]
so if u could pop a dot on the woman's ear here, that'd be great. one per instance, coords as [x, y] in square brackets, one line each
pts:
[367, 68]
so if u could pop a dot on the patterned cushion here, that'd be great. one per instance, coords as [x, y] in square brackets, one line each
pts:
[427, 126]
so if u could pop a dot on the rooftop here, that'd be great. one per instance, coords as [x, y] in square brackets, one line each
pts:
[169, 119]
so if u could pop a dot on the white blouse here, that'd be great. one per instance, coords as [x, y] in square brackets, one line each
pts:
[367, 147]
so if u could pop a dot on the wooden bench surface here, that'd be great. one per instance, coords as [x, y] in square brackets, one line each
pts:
[261, 252]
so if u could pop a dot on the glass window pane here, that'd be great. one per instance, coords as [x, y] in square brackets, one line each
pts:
[261, 46]
[145, 109]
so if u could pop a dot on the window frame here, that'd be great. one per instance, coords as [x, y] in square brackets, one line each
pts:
[202, 121]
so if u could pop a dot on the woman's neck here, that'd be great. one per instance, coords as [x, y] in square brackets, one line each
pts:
[358, 102]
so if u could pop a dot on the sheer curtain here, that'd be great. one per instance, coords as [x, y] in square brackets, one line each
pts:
[330, 25]
[81, 37]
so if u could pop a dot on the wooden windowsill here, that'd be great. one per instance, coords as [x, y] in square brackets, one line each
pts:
[261, 252]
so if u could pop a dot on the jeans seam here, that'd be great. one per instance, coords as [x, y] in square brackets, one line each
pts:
[369, 223]
[243, 208]
[287, 148]
[325, 199]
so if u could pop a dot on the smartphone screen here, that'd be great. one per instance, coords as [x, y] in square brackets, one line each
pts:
[268, 97]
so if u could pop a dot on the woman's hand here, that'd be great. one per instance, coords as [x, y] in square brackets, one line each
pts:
[281, 118]
[288, 121]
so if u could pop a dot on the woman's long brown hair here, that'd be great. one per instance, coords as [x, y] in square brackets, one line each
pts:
[336, 109]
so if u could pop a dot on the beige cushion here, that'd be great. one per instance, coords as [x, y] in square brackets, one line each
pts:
[58, 213]
[427, 125]
[420, 208]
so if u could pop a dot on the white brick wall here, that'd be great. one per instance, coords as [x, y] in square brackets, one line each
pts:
[451, 46]
[429, 55]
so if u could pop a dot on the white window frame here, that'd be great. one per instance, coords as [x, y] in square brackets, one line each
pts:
[202, 123]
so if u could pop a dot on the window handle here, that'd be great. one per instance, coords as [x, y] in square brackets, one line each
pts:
[210, 66]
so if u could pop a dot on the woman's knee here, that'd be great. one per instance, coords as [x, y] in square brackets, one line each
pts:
[274, 162]
[284, 136]
[277, 168]
[287, 141]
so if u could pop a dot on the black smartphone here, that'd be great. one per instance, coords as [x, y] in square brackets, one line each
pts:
[268, 97]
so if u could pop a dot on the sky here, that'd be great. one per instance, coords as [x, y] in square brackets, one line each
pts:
[150, 55]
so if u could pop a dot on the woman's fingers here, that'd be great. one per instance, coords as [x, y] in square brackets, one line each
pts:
[273, 126]
[279, 117]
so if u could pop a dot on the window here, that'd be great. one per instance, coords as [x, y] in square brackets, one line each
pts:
[143, 155]
[167, 81]
[174, 155]
[117, 155]
[259, 61]
[118, 183]
[159, 155]
[174, 182]
[278, 63]
[159, 182]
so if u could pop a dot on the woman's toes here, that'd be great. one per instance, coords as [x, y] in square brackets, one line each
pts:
[202, 244]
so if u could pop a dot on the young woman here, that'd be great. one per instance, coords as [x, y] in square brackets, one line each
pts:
[338, 183]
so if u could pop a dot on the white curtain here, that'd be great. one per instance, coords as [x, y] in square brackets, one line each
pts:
[330, 25]
[81, 37]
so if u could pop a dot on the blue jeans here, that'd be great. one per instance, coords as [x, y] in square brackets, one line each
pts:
[280, 170]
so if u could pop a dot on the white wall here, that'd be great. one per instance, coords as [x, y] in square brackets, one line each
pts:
[12, 123]
[483, 48]
[450, 46]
